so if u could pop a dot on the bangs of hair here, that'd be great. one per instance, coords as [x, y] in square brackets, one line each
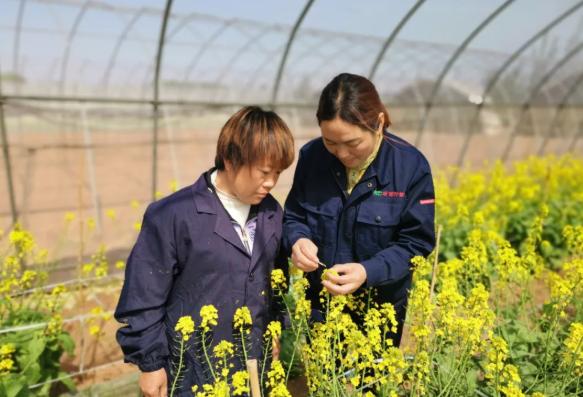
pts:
[253, 136]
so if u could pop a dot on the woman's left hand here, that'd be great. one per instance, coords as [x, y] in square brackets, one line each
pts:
[349, 277]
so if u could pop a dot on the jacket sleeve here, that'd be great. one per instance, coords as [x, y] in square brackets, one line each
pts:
[294, 217]
[148, 281]
[416, 233]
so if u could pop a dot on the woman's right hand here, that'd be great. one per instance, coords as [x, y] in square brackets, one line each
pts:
[305, 255]
[154, 384]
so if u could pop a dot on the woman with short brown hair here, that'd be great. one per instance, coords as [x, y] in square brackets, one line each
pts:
[212, 243]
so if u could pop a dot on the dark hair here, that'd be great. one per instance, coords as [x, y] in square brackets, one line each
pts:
[252, 135]
[354, 99]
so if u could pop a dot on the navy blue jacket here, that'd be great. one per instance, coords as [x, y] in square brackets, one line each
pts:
[386, 220]
[189, 255]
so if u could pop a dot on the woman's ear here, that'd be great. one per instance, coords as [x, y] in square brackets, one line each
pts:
[228, 167]
[381, 120]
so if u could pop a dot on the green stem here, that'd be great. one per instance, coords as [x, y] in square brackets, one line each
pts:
[243, 343]
[179, 367]
[545, 360]
[206, 356]
[454, 374]
[289, 313]
[567, 375]
[266, 349]
[496, 378]
[293, 353]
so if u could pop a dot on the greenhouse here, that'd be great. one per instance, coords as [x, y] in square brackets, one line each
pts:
[109, 106]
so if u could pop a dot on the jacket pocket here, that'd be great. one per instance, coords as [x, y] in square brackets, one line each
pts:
[377, 226]
[322, 223]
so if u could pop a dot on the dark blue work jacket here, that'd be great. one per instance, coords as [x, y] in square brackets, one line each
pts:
[189, 255]
[386, 220]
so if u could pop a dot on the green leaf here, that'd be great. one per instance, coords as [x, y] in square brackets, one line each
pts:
[67, 381]
[14, 386]
[67, 343]
[36, 347]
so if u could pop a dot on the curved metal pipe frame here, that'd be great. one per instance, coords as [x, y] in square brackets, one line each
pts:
[558, 112]
[118, 44]
[224, 26]
[7, 162]
[387, 44]
[534, 93]
[69, 43]
[290, 40]
[156, 110]
[449, 64]
[17, 33]
[492, 82]
[252, 40]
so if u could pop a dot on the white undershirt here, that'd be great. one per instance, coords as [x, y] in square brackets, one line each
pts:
[238, 210]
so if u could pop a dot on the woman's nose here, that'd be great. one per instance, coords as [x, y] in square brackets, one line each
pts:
[270, 182]
[341, 153]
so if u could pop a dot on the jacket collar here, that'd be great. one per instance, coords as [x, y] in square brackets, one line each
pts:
[378, 168]
[204, 195]
[206, 201]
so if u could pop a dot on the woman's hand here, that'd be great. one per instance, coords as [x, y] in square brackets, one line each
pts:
[349, 277]
[305, 255]
[154, 384]
[275, 348]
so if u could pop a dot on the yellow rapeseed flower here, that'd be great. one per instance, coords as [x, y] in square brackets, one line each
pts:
[185, 326]
[6, 365]
[28, 277]
[223, 350]
[54, 325]
[69, 217]
[173, 185]
[111, 214]
[276, 374]
[240, 379]
[21, 239]
[7, 349]
[573, 352]
[273, 330]
[278, 280]
[242, 318]
[209, 316]
[95, 330]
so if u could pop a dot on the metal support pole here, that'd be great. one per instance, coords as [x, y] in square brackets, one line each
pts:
[17, 33]
[118, 44]
[534, 93]
[286, 52]
[90, 159]
[156, 110]
[576, 137]
[6, 153]
[392, 37]
[171, 147]
[558, 112]
[449, 64]
[69, 43]
[492, 82]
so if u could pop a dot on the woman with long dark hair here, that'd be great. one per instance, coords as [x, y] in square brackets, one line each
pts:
[362, 200]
